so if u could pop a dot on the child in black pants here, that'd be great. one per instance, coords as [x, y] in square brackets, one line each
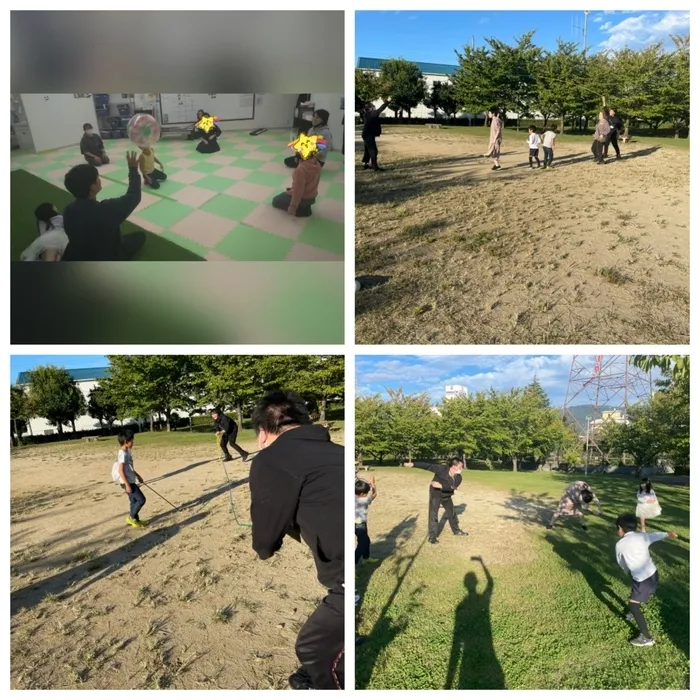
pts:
[365, 493]
[124, 473]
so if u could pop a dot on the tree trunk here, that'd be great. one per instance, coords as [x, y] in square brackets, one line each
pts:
[29, 425]
[151, 421]
[561, 127]
[168, 419]
[239, 414]
[14, 422]
[190, 417]
[72, 424]
[323, 409]
[515, 463]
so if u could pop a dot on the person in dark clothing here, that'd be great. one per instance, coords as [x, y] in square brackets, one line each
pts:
[193, 131]
[227, 431]
[371, 130]
[446, 480]
[92, 147]
[208, 132]
[92, 227]
[615, 129]
[296, 490]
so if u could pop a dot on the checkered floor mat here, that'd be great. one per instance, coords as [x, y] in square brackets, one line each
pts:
[218, 206]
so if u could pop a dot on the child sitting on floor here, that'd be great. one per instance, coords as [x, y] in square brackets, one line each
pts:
[152, 177]
[52, 240]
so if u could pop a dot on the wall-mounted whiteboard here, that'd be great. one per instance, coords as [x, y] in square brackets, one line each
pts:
[182, 108]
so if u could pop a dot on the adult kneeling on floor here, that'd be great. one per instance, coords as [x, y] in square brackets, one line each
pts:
[298, 198]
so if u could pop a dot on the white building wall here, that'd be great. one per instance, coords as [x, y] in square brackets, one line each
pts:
[40, 426]
[453, 391]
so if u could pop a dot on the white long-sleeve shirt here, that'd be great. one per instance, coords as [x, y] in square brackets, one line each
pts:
[632, 551]
[533, 140]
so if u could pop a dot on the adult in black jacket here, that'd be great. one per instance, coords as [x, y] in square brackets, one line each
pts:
[446, 480]
[615, 130]
[371, 129]
[94, 228]
[296, 489]
[227, 431]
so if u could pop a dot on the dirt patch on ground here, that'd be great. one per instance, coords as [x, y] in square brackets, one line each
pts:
[184, 603]
[456, 253]
[398, 522]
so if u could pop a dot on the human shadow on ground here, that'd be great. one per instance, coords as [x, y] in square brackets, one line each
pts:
[473, 663]
[68, 583]
[386, 627]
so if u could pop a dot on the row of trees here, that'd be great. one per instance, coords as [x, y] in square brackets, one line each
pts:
[649, 86]
[520, 425]
[142, 386]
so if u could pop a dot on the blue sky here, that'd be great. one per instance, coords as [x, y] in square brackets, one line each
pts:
[433, 36]
[431, 373]
[23, 363]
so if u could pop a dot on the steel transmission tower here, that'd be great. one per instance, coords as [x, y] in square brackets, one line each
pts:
[606, 384]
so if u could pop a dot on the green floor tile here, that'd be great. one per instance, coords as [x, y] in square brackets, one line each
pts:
[165, 213]
[229, 207]
[205, 167]
[250, 244]
[215, 183]
[336, 191]
[269, 179]
[110, 190]
[324, 234]
[248, 163]
[167, 188]
[186, 243]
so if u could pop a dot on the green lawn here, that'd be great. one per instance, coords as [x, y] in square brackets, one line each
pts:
[551, 617]
[28, 191]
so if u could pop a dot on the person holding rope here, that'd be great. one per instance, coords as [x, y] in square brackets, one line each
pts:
[226, 431]
[447, 478]
[371, 131]
[601, 137]
[615, 128]
[296, 490]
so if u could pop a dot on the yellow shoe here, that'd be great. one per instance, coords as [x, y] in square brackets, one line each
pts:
[131, 521]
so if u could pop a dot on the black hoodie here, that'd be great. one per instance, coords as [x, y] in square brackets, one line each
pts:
[296, 489]
[448, 483]
[372, 125]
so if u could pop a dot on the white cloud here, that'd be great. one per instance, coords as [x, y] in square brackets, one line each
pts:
[484, 20]
[646, 28]
[598, 18]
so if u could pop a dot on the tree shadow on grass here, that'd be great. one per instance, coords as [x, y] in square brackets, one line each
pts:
[387, 627]
[535, 509]
[473, 663]
[68, 583]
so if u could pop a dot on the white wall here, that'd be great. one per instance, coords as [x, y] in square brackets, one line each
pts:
[57, 120]
[271, 112]
[331, 102]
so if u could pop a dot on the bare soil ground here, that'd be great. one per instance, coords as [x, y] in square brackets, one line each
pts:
[454, 253]
[184, 603]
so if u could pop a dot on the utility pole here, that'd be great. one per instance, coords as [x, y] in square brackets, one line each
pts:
[585, 29]
[588, 433]
[473, 43]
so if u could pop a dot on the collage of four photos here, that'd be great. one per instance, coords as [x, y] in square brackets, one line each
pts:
[473, 369]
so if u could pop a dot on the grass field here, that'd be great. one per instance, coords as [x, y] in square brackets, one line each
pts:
[450, 252]
[184, 603]
[550, 618]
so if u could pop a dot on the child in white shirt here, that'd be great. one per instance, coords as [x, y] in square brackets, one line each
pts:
[549, 139]
[124, 473]
[533, 142]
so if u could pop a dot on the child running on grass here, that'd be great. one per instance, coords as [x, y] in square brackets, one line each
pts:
[152, 177]
[632, 552]
[647, 504]
[549, 139]
[365, 493]
[123, 472]
[533, 142]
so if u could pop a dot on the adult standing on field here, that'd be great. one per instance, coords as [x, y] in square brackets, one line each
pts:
[371, 130]
[495, 138]
[227, 431]
[615, 128]
[601, 137]
[447, 478]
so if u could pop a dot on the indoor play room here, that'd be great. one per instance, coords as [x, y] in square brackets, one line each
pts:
[210, 166]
